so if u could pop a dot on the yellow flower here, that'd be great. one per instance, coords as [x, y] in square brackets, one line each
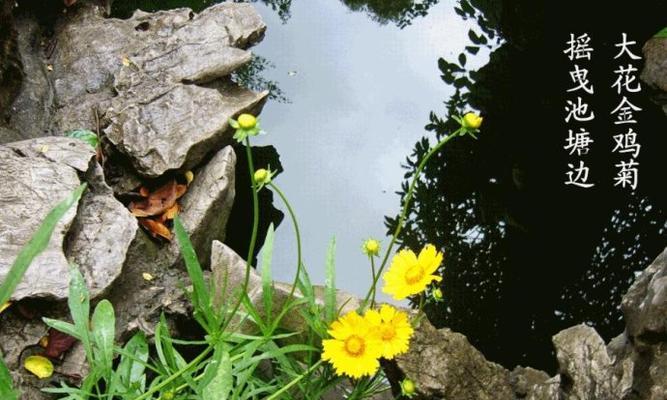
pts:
[40, 366]
[247, 121]
[472, 121]
[371, 247]
[392, 328]
[354, 351]
[409, 274]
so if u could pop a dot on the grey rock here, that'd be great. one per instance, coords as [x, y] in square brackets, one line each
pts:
[655, 54]
[36, 176]
[444, 365]
[645, 304]
[101, 234]
[585, 362]
[525, 380]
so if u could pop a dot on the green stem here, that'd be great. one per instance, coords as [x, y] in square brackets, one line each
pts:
[297, 233]
[294, 381]
[253, 235]
[406, 204]
[177, 374]
[373, 280]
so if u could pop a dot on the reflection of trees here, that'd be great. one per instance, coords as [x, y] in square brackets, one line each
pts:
[251, 76]
[399, 12]
[524, 256]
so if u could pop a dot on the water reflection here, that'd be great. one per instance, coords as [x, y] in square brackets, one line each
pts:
[526, 256]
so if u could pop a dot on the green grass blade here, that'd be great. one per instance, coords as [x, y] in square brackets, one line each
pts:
[330, 283]
[64, 327]
[104, 330]
[37, 244]
[201, 298]
[6, 384]
[221, 383]
[267, 279]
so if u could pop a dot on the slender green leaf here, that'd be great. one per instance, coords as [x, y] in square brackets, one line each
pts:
[87, 136]
[6, 384]
[37, 244]
[201, 298]
[64, 327]
[662, 33]
[129, 376]
[79, 308]
[330, 283]
[267, 280]
[104, 329]
[221, 382]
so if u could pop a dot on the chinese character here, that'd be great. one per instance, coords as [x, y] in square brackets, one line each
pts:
[625, 79]
[578, 142]
[627, 175]
[624, 112]
[578, 48]
[627, 143]
[578, 176]
[625, 48]
[578, 111]
[580, 77]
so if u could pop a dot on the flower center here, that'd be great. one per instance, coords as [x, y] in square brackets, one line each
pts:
[414, 274]
[354, 345]
[387, 332]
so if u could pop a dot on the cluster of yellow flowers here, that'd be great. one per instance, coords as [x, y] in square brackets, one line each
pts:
[358, 342]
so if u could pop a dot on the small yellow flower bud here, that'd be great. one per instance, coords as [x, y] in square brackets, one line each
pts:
[371, 247]
[437, 294]
[168, 396]
[262, 176]
[408, 388]
[472, 121]
[247, 121]
[189, 176]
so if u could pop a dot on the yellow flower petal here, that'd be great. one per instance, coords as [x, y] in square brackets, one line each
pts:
[409, 275]
[354, 351]
[39, 366]
[5, 306]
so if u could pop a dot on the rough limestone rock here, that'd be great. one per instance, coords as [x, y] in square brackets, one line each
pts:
[100, 237]
[205, 211]
[655, 54]
[584, 361]
[645, 304]
[170, 97]
[444, 365]
[36, 175]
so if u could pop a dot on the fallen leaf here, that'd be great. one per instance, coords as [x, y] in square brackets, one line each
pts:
[155, 228]
[144, 192]
[148, 277]
[43, 341]
[170, 213]
[125, 61]
[180, 190]
[58, 343]
[156, 202]
[5, 306]
[39, 366]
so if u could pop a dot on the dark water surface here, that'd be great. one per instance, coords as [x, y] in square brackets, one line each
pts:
[356, 81]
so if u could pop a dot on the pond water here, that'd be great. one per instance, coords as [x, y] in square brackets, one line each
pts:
[526, 255]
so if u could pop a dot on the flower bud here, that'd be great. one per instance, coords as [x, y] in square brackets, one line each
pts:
[408, 388]
[437, 294]
[471, 121]
[371, 247]
[247, 121]
[262, 176]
